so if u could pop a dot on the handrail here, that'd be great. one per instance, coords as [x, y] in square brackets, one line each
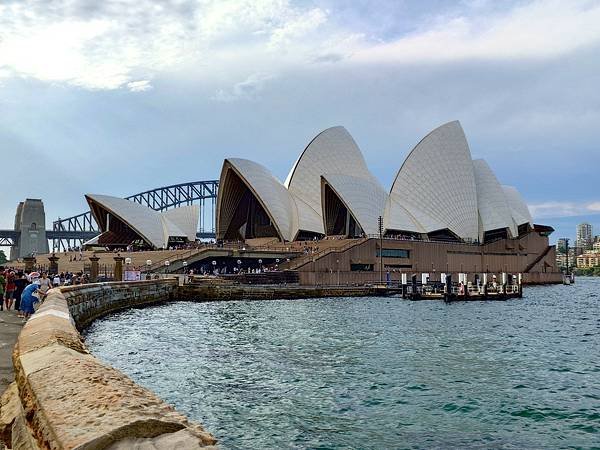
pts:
[302, 260]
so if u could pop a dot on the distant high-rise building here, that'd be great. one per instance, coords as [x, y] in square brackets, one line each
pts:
[561, 245]
[584, 236]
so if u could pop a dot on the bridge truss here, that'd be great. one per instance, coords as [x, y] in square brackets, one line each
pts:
[203, 193]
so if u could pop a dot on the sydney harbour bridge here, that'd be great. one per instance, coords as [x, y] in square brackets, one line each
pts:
[73, 231]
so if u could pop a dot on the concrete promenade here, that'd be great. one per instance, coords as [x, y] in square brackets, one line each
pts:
[10, 327]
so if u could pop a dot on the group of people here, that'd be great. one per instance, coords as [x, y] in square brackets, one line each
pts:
[21, 291]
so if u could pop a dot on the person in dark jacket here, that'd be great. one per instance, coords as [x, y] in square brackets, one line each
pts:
[21, 283]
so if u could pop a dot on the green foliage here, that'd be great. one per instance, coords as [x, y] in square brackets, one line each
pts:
[3, 258]
[588, 271]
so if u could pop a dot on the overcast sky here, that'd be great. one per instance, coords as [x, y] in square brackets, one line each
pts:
[117, 97]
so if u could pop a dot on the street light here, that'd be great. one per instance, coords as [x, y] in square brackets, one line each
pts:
[239, 263]
[184, 266]
[260, 265]
[167, 264]
[214, 264]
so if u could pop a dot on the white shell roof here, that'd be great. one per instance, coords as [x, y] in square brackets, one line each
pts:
[182, 221]
[518, 207]
[397, 217]
[333, 151]
[273, 196]
[437, 183]
[145, 221]
[365, 198]
[494, 210]
[308, 218]
[153, 226]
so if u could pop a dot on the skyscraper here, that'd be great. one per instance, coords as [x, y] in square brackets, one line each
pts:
[584, 236]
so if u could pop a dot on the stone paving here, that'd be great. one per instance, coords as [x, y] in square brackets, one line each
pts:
[10, 327]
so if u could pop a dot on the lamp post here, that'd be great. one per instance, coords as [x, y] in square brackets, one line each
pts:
[277, 264]
[127, 269]
[239, 264]
[260, 265]
[184, 267]
[167, 264]
[337, 261]
[214, 264]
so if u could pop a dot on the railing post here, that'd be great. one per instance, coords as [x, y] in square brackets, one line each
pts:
[118, 271]
[94, 268]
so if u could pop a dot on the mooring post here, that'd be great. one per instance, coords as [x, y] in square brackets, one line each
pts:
[415, 294]
[448, 288]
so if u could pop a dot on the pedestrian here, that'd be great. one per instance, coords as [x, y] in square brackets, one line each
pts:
[45, 283]
[21, 283]
[28, 299]
[9, 294]
[56, 280]
[2, 287]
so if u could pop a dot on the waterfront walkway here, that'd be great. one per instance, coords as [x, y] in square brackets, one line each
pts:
[10, 327]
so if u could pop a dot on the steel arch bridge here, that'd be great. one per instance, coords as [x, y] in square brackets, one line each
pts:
[203, 193]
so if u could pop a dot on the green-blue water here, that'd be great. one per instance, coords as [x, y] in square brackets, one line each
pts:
[373, 373]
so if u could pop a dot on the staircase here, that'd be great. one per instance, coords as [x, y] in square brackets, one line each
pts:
[297, 263]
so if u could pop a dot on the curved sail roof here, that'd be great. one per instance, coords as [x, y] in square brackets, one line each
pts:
[437, 185]
[145, 221]
[333, 151]
[397, 217]
[494, 210]
[518, 207]
[152, 226]
[272, 195]
[364, 198]
[182, 221]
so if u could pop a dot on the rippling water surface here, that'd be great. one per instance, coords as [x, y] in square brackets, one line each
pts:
[373, 372]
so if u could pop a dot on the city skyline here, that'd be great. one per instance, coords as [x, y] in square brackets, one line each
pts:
[117, 98]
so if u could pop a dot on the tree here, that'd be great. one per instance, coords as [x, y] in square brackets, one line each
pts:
[3, 258]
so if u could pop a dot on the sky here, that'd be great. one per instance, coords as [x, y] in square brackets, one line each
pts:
[117, 97]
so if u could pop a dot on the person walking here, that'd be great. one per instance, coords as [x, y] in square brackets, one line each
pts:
[45, 283]
[21, 283]
[2, 287]
[9, 294]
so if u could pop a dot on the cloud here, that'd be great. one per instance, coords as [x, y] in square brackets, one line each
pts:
[563, 209]
[139, 86]
[110, 44]
[248, 89]
[537, 29]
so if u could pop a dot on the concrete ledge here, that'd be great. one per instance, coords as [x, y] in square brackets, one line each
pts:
[64, 398]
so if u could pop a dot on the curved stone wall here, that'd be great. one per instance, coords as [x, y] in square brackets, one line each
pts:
[64, 398]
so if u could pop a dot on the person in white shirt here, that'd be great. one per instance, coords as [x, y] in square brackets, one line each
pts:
[56, 280]
[45, 283]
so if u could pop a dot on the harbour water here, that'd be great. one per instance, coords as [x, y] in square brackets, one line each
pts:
[373, 373]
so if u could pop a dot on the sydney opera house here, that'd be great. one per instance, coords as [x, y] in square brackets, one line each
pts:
[444, 211]
[439, 193]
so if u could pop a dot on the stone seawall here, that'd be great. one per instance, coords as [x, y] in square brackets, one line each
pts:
[64, 398]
